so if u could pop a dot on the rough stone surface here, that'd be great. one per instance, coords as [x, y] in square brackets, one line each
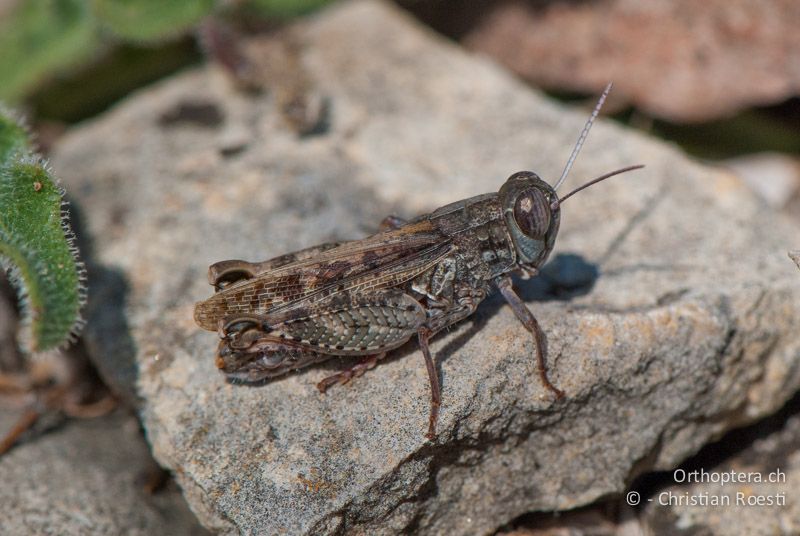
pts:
[689, 329]
[87, 477]
[677, 59]
[753, 492]
[745, 483]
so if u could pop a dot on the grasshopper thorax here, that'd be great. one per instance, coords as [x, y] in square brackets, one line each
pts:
[532, 214]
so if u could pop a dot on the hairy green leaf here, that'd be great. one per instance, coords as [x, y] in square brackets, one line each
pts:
[36, 246]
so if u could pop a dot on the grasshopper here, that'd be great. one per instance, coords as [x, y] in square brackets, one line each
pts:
[367, 297]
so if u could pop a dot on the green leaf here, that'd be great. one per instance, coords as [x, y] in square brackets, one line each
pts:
[39, 38]
[36, 246]
[150, 20]
[13, 137]
[286, 8]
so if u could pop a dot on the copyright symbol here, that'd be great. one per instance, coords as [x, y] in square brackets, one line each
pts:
[633, 498]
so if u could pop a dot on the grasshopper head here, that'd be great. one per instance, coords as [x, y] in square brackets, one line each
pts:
[532, 213]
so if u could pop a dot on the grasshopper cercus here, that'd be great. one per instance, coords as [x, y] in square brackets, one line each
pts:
[366, 297]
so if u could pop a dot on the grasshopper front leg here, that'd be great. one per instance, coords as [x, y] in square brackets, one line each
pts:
[525, 316]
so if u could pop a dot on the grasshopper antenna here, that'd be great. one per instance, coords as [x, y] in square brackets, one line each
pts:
[584, 133]
[558, 202]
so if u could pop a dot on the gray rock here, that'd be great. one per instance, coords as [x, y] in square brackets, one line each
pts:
[743, 484]
[753, 492]
[87, 477]
[689, 330]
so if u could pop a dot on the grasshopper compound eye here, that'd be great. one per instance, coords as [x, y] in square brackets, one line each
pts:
[532, 213]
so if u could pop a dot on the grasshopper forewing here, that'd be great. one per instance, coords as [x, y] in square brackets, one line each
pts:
[367, 297]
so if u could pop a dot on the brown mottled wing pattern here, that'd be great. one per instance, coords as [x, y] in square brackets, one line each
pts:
[383, 260]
